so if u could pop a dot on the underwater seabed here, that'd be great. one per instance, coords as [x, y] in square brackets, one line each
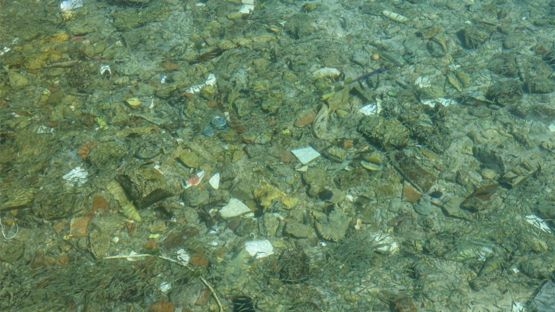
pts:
[243, 155]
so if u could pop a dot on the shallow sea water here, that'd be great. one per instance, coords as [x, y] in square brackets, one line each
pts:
[246, 155]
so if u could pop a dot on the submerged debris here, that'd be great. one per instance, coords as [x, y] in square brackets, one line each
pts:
[305, 154]
[76, 176]
[127, 207]
[259, 248]
[386, 151]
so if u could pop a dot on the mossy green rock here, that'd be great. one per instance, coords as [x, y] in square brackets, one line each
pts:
[388, 133]
[17, 80]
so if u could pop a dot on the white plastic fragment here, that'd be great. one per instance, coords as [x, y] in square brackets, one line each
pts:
[385, 244]
[326, 72]
[42, 129]
[305, 154]
[518, 306]
[234, 208]
[210, 81]
[76, 177]
[11, 231]
[484, 253]
[214, 181]
[538, 223]
[551, 127]
[165, 287]
[443, 101]
[105, 69]
[423, 82]
[259, 248]
[4, 50]
[247, 6]
[68, 5]
[183, 256]
[370, 109]
[395, 16]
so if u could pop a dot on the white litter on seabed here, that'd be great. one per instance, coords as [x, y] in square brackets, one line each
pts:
[259, 248]
[305, 154]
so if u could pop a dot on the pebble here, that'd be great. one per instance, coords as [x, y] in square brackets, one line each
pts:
[305, 119]
[326, 72]
[133, 102]
[410, 194]
[208, 131]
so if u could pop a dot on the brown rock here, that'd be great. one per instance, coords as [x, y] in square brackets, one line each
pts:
[161, 306]
[305, 119]
[410, 194]
[199, 259]
[99, 203]
[150, 244]
[79, 226]
[170, 66]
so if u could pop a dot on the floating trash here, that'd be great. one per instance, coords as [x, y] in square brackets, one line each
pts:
[305, 154]
[259, 248]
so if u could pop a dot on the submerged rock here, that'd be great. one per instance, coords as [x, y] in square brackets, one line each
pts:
[388, 133]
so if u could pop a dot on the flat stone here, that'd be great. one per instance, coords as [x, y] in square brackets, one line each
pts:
[298, 230]
[234, 208]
